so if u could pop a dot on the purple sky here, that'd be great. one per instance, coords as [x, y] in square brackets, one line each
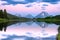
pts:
[33, 7]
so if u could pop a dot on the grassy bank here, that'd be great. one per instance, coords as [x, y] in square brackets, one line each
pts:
[7, 20]
[3, 20]
[14, 20]
[58, 36]
[47, 20]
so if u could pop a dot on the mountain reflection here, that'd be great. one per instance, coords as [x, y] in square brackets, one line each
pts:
[3, 26]
[42, 24]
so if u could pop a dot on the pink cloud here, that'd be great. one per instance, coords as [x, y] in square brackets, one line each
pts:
[34, 10]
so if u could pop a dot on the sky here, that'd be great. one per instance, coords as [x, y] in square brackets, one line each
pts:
[33, 7]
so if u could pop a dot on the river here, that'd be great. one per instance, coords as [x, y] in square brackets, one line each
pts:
[28, 31]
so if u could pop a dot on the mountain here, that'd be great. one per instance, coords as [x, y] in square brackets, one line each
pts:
[19, 15]
[10, 16]
[42, 15]
[29, 16]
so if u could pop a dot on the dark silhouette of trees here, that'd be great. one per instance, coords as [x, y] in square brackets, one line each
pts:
[57, 16]
[5, 14]
[3, 26]
[1, 14]
[53, 17]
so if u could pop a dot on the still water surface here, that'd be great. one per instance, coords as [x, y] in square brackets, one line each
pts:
[28, 31]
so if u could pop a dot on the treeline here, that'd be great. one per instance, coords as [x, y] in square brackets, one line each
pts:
[3, 14]
[53, 17]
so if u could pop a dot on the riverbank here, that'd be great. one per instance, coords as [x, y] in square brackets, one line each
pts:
[49, 20]
[3, 20]
[58, 36]
[14, 20]
[28, 19]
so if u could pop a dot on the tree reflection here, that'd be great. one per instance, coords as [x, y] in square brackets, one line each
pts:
[58, 35]
[3, 26]
[59, 29]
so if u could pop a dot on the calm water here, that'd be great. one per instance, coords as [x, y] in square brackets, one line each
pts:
[28, 31]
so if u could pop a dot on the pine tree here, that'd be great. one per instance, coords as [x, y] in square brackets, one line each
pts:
[5, 14]
[1, 14]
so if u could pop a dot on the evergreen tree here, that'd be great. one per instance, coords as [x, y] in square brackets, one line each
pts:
[1, 14]
[5, 14]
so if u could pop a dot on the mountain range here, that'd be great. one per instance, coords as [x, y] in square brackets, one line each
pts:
[29, 16]
[40, 15]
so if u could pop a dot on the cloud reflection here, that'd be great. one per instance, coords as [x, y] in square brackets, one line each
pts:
[15, 37]
[34, 31]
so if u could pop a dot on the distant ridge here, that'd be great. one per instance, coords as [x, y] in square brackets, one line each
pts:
[29, 16]
[43, 14]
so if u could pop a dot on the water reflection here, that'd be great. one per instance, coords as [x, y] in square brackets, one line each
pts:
[28, 31]
[3, 26]
[14, 37]
[42, 24]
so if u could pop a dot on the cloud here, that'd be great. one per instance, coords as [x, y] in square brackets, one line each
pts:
[18, 0]
[32, 8]
[29, 6]
[45, 5]
[2, 2]
[51, 1]
[14, 2]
